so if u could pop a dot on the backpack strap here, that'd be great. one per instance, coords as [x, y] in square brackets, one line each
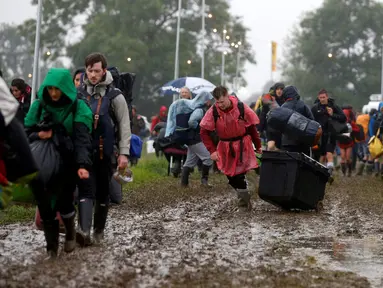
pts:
[215, 114]
[241, 108]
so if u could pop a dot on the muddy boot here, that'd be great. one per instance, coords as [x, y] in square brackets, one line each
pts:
[205, 176]
[376, 168]
[344, 168]
[244, 202]
[85, 214]
[185, 176]
[70, 233]
[100, 215]
[370, 168]
[51, 233]
[360, 168]
[349, 167]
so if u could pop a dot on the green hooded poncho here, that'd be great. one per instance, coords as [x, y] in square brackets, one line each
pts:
[61, 79]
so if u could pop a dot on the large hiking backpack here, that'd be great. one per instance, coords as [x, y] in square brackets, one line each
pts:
[124, 82]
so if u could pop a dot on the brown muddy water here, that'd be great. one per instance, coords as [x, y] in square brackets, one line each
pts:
[196, 238]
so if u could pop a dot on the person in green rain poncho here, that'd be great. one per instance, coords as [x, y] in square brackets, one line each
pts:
[58, 116]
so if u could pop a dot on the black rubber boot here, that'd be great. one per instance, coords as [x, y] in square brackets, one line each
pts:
[381, 171]
[360, 168]
[185, 176]
[369, 168]
[205, 176]
[85, 215]
[349, 167]
[70, 234]
[344, 168]
[377, 170]
[51, 232]
[100, 215]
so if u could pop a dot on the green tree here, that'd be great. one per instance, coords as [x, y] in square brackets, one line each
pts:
[337, 46]
[15, 53]
[144, 31]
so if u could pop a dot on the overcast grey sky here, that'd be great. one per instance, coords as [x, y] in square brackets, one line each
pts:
[269, 20]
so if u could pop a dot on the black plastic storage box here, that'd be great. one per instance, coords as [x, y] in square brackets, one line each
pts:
[292, 180]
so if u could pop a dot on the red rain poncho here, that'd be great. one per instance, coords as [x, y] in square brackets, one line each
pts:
[228, 126]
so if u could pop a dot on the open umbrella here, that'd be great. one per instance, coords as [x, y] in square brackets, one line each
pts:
[195, 84]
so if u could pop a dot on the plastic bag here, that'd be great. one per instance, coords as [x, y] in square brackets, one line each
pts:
[115, 190]
[135, 146]
[48, 159]
[375, 146]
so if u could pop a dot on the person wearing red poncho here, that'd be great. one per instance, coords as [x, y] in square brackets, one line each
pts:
[234, 153]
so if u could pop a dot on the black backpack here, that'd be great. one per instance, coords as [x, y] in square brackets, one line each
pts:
[124, 82]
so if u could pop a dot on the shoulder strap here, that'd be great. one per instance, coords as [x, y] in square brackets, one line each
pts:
[215, 114]
[113, 93]
[241, 108]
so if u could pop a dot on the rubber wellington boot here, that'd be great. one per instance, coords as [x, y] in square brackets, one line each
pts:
[244, 202]
[360, 168]
[185, 176]
[51, 233]
[370, 168]
[344, 168]
[205, 176]
[70, 234]
[85, 215]
[100, 215]
[376, 169]
[349, 168]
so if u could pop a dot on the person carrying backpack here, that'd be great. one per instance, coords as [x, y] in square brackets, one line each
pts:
[235, 125]
[183, 128]
[59, 117]
[111, 114]
[293, 102]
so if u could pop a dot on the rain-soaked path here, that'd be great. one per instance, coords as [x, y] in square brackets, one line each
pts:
[201, 241]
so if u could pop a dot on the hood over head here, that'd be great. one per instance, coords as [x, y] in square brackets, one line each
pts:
[61, 79]
[274, 88]
[163, 111]
[200, 100]
[290, 93]
[79, 70]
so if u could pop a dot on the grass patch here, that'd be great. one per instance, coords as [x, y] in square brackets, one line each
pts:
[149, 170]
[17, 214]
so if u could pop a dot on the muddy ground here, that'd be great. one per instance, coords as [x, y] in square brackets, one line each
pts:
[167, 237]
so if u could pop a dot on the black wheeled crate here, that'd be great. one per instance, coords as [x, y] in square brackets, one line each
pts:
[292, 180]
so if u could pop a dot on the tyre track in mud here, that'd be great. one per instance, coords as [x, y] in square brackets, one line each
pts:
[202, 241]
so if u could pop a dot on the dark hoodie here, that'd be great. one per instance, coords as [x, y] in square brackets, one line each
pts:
[293, 102]
[269, 102]
[321, 116]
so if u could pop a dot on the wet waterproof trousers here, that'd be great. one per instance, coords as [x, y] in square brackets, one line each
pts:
[197, 152]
